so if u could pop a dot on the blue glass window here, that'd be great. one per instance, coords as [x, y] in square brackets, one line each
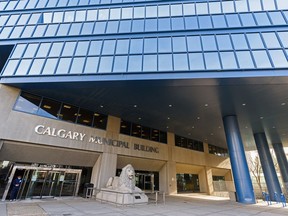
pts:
[189, 9]
[10, 68]
[282, 4]
[58, 17]
[72, 2]
[247, 19]
[122, 47]
[138, 26]
[92, 15]
[69, 49]
[23, 19]
[23, 67]
[165, 62]
[212, 61]
[95, 48]
[261, 59]
[20, 5]
[80, 16]
[75, 28]
[202, 8]
[62, 3]
[176, 10]
[284, 38]
[19, 50]
[28, 103]
[100, 28]
[127, 13]
[224, 42]
[277, 18]
[150, 63]
[31, 4]
[191, 22]
[103, 14]
[105, 64]
[51, 30]
[52, 3]
[228, 6]
[63, 29]
[215, 7]
[239, 41]
[278, 58]
[139, 12]
[125, 26]
[163, 11]
[87, 28]
[5, 32]
[255, 5]
[43, 49]
[151, 11]
[36, 67]
[135, 63]
[115, 13]
[12, 20]
[39, 31]
[209, 43]
[164, 24]
[3, 19]
[63, 66]
[17, 32]
[112, 27]
[120, 64]
[34, 18]
[82, 48]
[91, 65]
[177, 23]
[255, 41]
[136, 46]
[205, 22]
[271, 40]
[228, 60]
[151, 25]
[77, 65]
[28, 31]
[180, 62]
[196, 61]
[194, 43]
[56, 49]
[108, 47]
[262, 19]
[31, 50]
[241, 6]
[150, 45]
[164, 45]
[179, 44]
[268, 4]
[219, 21]
[233, 20]
[69, 16]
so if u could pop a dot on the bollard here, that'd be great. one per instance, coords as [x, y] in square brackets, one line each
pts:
[276, 197]
[283, 199]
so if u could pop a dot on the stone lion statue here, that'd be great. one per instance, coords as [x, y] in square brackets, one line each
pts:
[125, 182]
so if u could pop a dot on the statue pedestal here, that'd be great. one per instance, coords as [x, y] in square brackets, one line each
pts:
[120, 197]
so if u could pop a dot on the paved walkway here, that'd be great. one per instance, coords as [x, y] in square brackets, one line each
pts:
[178, 205]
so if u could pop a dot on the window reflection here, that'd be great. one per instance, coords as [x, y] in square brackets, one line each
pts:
[49, 108]
[28, 103]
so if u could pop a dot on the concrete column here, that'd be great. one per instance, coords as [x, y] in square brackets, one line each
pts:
[267, 164]
[104, 168]
[282, 162]
[163, 185]
[209, 180]
[242, 180]
[172, 181]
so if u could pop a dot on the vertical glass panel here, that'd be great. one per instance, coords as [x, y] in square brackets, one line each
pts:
[30, 51]
[80, 16]
[103, 14]
[47, 17]
[62, 3]
[179, 44]
[191, 23]
[233, 20]
[85, 117]
[228, 6]
[23, 67]
[41, 4]
[58, 17]
[50, 66]
[164, 45]
[255, 5]
[163, 11]
[151, 11]
[39, 31]
[87, 28]
[75, 29]
[262, 18]
[17, 32]
[150, 45]
[36, 67]
[11, 5]
[176, 10]
[51, 30]
[241, 6]
[219, 21]
[28, 31]
[95, 48]
[215, 7]
[196, 61]
[69, 49]
[115, 13]
[278, 58]
[109, 47]
[155, 135]
[165, 62]
[177, 23]
[180, 62]
[52, 3]
[3, 5]
[92, 15]
[150, 25]
[209, 43]
[202, 8]
[150, 63]
[281, 4]
[99, 28]
[20, 5]
[105, 64]
[84, 2]
[224, 42]
[69, 16]
[100, 121]
[72, 2]
[284, 38]
[10, 67]
[82, 48]
[255, 41]
[239, 41]
[247, 19]
[136, 130]
[3, 20]
[261, 59]
[271, 40]
[136, 46]
[135, 63]
[63, 30]
[19, 50]
[205, 22]
[49, 108]
[245, 59]
[63, 66]
[68, 113]
[268, 4]
[125, 26]
[138, 26]
[23, 19]
[228, 60]
[91, 65]
[189, 9]
[212, 61]
[112, 27]
[28, 103]
[34, 18]
[164, 24]
[12, 20]
[31, 4]
[127, 13]
[5, 32]
[194, 43]
[139, 12]
[277, 18]
[122, 47]
[77, 65]
[120, 64]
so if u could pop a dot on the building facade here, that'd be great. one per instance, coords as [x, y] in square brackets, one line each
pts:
[88, 86]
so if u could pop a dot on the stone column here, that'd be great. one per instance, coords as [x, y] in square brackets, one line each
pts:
[267, 164]
[242, 180]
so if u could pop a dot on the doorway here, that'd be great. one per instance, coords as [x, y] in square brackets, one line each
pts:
[145, 181]
[44, 182]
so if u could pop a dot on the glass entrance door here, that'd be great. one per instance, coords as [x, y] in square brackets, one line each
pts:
[145, 181]
[42, 182]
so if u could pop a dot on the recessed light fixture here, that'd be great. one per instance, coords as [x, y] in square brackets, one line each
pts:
[246, 126]
[206, 105]
[170, 105]
[273, 127]
[101, 106]
[167, 127]
[219, 127]
[193, 127]
[198, 117]
[139, 118]
[284, 134]
[189, 134]
[283, 104]
[261, 117]
[135, 105]
[211, 134]
[243, 104]
[168, 118]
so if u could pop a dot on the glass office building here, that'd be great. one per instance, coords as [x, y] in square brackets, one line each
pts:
[91, 85]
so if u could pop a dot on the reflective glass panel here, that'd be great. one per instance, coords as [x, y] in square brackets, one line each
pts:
[69, 48]
[261, 59]
[23, 67]
[103, 14]
[87, 28]
[127, 13]
[120, 64]
[255, 41]
[63, 66]
[138, 26]
[100, 28]
[219, 21]
[194, 43]
[255, 5]
[80, 16]
[247, 19]
[191, 23]
[112, 27]
[164, 45]
[151, 25]
[228, 6]
[82, 48]
[196, 61]
[115, 13]
[202, 8]
[180, 62]
[176, 10]
[19, 50]
[69, 16]
[239, 41]
[23, 19]
[284, 38]
[28, 103]
[189, 9]
[150, 63]
[228, 60]
[150, 45]
[51, 30]
[205, 22]
[271, 40]
[151, 11]
[92, 15]
[209, 42]
[10, 67]
[139, 12]
[165, 62]
[125, 26]
[278, 58]
[95, 48]
[277, 18]
[135, 63]
[164, 24]
[50, 66]
[233, 20]
[136, 46]
[122, 47]
[63, 29]
[28, 31]
[262, 19]
[75, 28]
[56, 49]
[215, 7]
[163, 11]
[91, 65]
[36, 67]
[177, 23]
[105, 64]
[109, 47]
[49, 108]
[224, 42]
[245, 59]
[241, 6]
[30, 50]
[77, 65]
[179, 44]
[39, 31]
[212, 61]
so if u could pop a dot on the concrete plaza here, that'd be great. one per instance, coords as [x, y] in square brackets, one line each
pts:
[178, 205]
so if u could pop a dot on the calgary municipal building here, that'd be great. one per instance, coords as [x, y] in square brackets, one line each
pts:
[179, 89]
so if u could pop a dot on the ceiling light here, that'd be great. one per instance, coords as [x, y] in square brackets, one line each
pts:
[273, 127]
[101, 106]
[193, 127]
[170, 105]
[219, 127]
[66, 106]
[261, 117]
[189, 134]
[47, 107]
[167, 127]
[243, 104]
[96, 114]
[139, 118]
[246, 126]
[206, 105]
[168, 118]
[198, 117]
[135, 105]
[211, 134]
[283, 104]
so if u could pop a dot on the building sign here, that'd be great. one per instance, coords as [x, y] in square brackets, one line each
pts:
[82, 137]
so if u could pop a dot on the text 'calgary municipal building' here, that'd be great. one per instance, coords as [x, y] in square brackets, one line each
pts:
[178, 89]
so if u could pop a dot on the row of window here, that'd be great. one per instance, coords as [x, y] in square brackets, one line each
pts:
[143, 132]
[49, 108]
[189, 143]
[217, 151]
[198, 7]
